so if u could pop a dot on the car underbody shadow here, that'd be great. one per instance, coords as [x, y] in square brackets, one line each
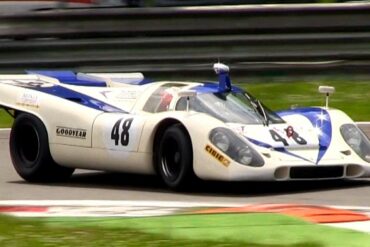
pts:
[150, 183]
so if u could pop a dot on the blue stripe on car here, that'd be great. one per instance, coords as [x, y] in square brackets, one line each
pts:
[73, 96]
[320, 120]
[210, 87]
[70, 77]
[280, 149]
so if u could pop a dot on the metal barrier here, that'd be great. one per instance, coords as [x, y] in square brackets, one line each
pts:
[252, 39]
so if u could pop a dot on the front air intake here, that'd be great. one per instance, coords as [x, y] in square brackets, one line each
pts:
[316, 172]
[354, 171]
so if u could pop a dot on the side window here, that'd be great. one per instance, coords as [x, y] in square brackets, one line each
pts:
[194, 105]
[164, 102]
[181, 104]
[154, 100]
[161, 99]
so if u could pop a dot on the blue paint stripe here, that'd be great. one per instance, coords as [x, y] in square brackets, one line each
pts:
[82, 99]
[210, 87]
[280, 149]
[73, 96]
[259, 143]
[320, 119]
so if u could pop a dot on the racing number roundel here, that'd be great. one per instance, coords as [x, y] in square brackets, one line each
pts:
[122, 133]
[290, 133]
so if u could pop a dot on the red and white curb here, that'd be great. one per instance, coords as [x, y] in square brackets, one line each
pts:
[96, 208]
[363, 226]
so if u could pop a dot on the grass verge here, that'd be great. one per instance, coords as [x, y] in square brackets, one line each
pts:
[350, 96]
[253, 230]
[5, 119]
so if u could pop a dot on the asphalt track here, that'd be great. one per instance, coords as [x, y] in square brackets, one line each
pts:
[93, 185]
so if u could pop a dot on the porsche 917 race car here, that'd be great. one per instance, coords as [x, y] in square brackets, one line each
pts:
[179, 130]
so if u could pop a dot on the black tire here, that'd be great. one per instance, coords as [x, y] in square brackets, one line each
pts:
[30, 153]
[174, 158]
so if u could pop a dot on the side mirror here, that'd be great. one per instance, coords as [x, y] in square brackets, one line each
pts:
[187, 93]
[327, 90]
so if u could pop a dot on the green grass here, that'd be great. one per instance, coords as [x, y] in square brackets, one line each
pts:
[253, 230]
[351, 97]
[5, 119]
[352, 94]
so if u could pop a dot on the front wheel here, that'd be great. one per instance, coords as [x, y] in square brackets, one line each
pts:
[30, 153]
[175, 158]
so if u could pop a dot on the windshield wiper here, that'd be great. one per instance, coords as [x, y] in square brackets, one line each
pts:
[259, 109]
[266, 120]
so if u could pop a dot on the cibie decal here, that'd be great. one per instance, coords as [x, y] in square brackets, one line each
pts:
[217, 155]
[71, 132]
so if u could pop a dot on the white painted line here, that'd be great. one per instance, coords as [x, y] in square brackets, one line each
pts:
[363, 226]
[166, 204]
[97, 208]
[100, 203]
[360, 208]
[278, 6]
[132, 211]
[4, 129]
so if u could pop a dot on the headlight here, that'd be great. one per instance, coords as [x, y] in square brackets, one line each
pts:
[235, 147]
[221, 141]
[244, 156]
[357, 140]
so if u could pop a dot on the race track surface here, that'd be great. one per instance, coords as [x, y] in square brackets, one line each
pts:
[93, 185]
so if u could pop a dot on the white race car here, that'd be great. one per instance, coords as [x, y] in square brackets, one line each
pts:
[214, 131]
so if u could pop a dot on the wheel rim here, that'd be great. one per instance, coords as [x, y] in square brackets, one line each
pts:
[171, 159]
[28, 145]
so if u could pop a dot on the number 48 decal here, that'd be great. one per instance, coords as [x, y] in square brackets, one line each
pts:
[123, 135]
[290, 133]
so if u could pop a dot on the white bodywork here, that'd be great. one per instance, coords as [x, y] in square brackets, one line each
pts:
[81, 136]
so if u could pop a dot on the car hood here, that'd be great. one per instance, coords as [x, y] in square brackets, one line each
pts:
[305, 129]
[276, 136]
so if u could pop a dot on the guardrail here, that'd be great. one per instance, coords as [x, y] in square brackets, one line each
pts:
[252, 39]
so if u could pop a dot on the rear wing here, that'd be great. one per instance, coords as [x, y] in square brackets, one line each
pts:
[115, 79]
[93, 79]
[46, 77]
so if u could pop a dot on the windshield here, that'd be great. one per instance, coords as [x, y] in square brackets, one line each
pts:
[231, 107]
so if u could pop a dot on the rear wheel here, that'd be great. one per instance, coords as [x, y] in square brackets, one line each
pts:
[30, 153]
[175, 158]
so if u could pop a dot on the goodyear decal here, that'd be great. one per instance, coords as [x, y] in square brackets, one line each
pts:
[71, 132]
[221, 158]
